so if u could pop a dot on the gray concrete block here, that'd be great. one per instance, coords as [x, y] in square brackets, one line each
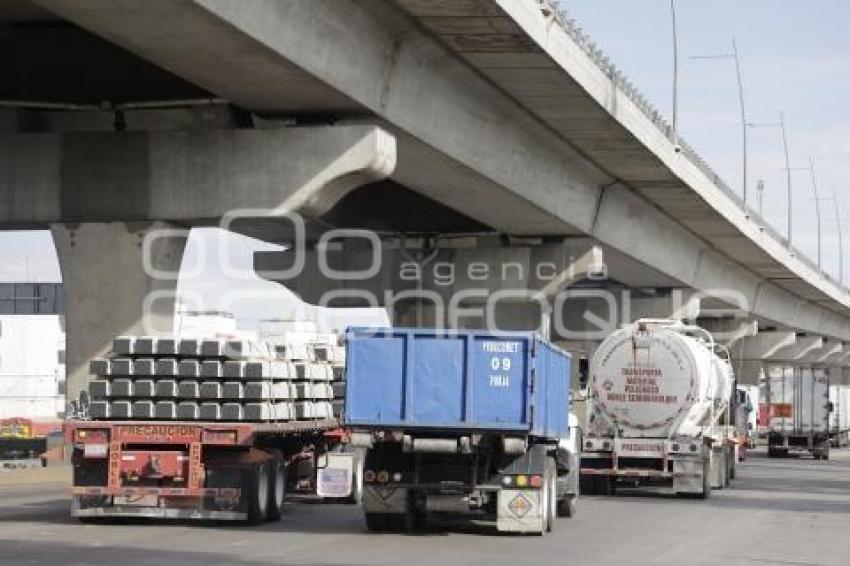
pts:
[304, 410]
[337, 373]
[189, 411]
[189, 368]
[323, 391]
[99, 410]
[231, 412]
[209, 412]
[166, 388]
[99, 389]
[121, 366]
[120, 409]
[165, 410]
[268, 370]
[304, 390]
[188, 389]
[143, 388]
[123, 345]
[338, 408]
[189, 347]
[232, 390]
[322, 410]
[100, 366]
[246, 349]
[143, 410]
[267, 411]
[338, 388]
[265, 390]
[166, 367]
[145, 346]
[144, 366]
[212, 347]
[167, 347]
[233, 369]
[211, 390]
[298, 352]
[211, 368]
[121, 388]
[320, 352]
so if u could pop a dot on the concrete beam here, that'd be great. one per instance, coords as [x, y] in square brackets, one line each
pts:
[830, 351]
[185, 176]
[766, 345]
[804, 347]
[115, 284]
[730, 331]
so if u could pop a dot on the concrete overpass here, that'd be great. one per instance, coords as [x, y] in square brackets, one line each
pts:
[492, 118]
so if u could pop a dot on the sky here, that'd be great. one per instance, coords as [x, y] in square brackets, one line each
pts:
[795, 58]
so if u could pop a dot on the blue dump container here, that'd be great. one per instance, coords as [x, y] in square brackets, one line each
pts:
[456, 381]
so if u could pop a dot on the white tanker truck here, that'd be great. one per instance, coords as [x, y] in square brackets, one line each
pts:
[658, 411]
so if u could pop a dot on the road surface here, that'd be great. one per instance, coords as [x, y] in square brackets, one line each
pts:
[787, 512]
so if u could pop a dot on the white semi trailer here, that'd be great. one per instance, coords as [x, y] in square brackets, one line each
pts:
[798, 411]
[659, 396]
[839, 418]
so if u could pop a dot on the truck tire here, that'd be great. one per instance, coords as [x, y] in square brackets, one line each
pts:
[258, 493]
[277, 486]
[567, 507]
[551, 498]
[377, 522]
[706, 480]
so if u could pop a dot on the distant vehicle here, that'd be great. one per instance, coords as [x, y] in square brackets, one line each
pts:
[747, 414]
[26, 439]
[839, 418]
[465, 424]
[659, 412]
[799, 408]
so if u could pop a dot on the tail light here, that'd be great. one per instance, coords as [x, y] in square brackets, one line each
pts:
[369, 476]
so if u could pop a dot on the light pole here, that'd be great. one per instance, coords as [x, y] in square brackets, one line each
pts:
[760, 196]
[840, 238]
[675, 73]
[734, 56]
[781, 126]
[817, 206]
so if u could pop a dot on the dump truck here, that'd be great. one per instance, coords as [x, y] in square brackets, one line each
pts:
[214, 429]
[660, 406]
[469, 425]
[798, 411]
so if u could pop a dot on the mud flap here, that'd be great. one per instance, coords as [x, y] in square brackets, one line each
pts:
[385, 500]
[520, 511]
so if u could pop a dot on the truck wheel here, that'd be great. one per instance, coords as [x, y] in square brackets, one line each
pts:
[587, 485]
[567, 507]
[706, 481]
[376, 522]
[551, 501]
[258, 493]
[277, 487]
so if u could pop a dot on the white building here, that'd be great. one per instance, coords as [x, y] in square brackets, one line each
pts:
[32, 351]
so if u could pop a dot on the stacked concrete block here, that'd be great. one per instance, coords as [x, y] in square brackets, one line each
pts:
[191, 379]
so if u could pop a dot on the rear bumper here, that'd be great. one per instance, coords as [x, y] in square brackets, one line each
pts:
[158, 513]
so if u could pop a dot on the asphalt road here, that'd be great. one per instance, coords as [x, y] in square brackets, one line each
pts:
[788, 512]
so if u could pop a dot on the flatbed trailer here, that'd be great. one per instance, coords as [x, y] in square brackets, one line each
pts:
[235, 471]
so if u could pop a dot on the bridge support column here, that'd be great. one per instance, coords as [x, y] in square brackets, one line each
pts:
[119, 278]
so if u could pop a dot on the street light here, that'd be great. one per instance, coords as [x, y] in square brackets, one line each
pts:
[811, 170]
[817, 206]
[781, 126]
[675, 73]
[734, 56]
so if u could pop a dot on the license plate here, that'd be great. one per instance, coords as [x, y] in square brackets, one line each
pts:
[95, 450]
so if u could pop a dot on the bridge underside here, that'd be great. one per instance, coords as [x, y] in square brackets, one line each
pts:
[417, 120]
